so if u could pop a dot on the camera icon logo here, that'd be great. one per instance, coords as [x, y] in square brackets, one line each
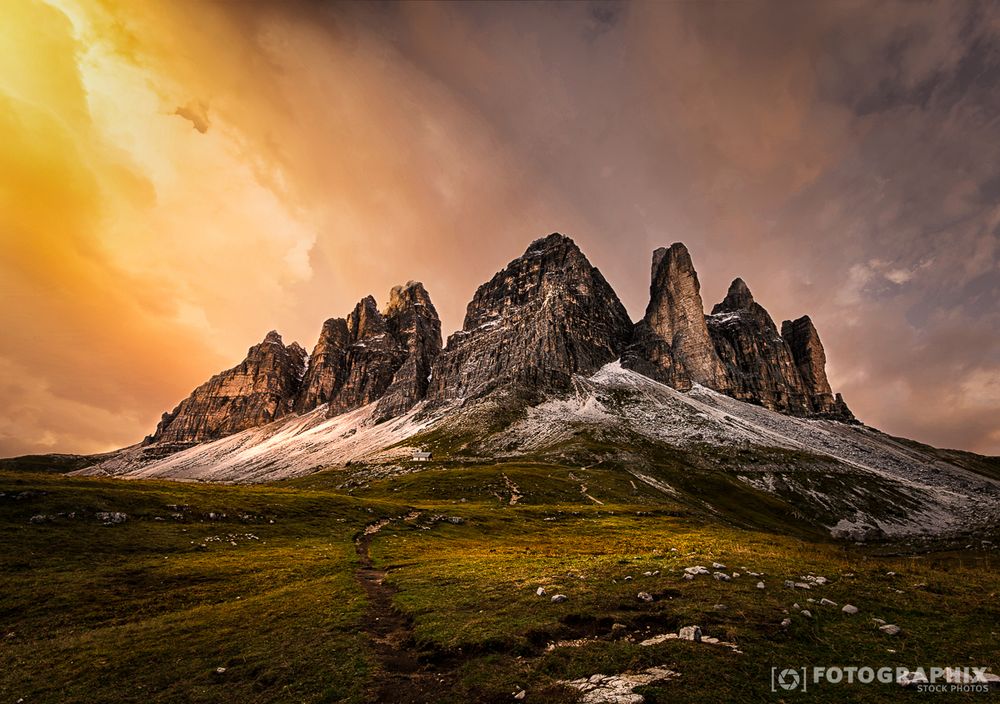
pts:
[787, 679]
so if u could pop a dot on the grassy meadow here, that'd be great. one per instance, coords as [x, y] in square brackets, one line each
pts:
[209, 593]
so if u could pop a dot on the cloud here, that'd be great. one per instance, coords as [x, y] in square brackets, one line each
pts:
[195, 112]
[838, 157]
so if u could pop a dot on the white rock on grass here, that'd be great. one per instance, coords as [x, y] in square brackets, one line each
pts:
[718, 566]
[890, 629]
[559, 598]
[807, 613]
[644, 596]
[911, 679]
[617, 689]
[690, 633]
[520, 695]
[760, 585]
[540, 591]
[656, 640]
[850, 609]
[722, 576]
[785, 623]
[696, 570]
[826, 602]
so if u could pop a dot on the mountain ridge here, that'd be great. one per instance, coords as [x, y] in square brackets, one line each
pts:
[548, 367]
[549, 314]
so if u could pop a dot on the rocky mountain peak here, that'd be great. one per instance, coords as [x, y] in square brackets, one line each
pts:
[365, 320]
[737, 298]
[324, 374]
[810, 359]
[671, 342]
[412, 293]
[257, 391]
[548, 315]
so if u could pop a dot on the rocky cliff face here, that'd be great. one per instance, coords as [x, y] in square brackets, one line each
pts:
[548, 315]
[367, 357]
[810, 359]
[413, 322]
[323, 376]
[671, 342]
[372, 357]
[758, 361]
[784, 372]
[260, 389]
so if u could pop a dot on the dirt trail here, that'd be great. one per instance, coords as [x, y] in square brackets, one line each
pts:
[402, 677]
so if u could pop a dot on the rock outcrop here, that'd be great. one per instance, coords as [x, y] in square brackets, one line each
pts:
[548, 315]
[671, 343]
[810, 358]
[757, 359]
[371, 359]
[260, 389]
[413, 322]
[784, 372]
[324, 374]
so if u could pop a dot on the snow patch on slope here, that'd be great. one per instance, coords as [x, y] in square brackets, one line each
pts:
[287, 448]
[920, 492]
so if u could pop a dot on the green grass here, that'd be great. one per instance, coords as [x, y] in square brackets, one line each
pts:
[149, 609]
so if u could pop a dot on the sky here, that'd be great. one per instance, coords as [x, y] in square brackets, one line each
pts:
[177, 178]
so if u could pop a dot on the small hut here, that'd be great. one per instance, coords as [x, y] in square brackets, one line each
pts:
[421, 456]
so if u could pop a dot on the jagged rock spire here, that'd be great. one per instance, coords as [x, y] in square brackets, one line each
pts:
[810, 358]
[671, 342]
[757, 360]
[548, 315]
[737, 298]
[413, 321]
[324, 376]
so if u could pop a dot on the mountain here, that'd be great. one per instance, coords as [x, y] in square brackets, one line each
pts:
[722, 411]
[548, 315]
[760, 363]
[672, 342]
[259, 390]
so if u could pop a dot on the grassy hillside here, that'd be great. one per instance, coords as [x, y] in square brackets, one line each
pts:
[263, 593]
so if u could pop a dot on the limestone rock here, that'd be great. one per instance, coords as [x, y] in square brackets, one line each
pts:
[548, 315]
[690, 633]
[810, 358]
[413, 322]
[323, 376]
[370, 360]
[672, 342]
[258, 390]
[758, 361]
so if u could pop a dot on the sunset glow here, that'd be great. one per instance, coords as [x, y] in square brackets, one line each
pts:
[178, 178]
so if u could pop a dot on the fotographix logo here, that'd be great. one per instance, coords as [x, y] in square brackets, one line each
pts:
[788, 679]
[931, 679]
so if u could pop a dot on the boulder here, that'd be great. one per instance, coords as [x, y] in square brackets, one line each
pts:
[690, 633]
